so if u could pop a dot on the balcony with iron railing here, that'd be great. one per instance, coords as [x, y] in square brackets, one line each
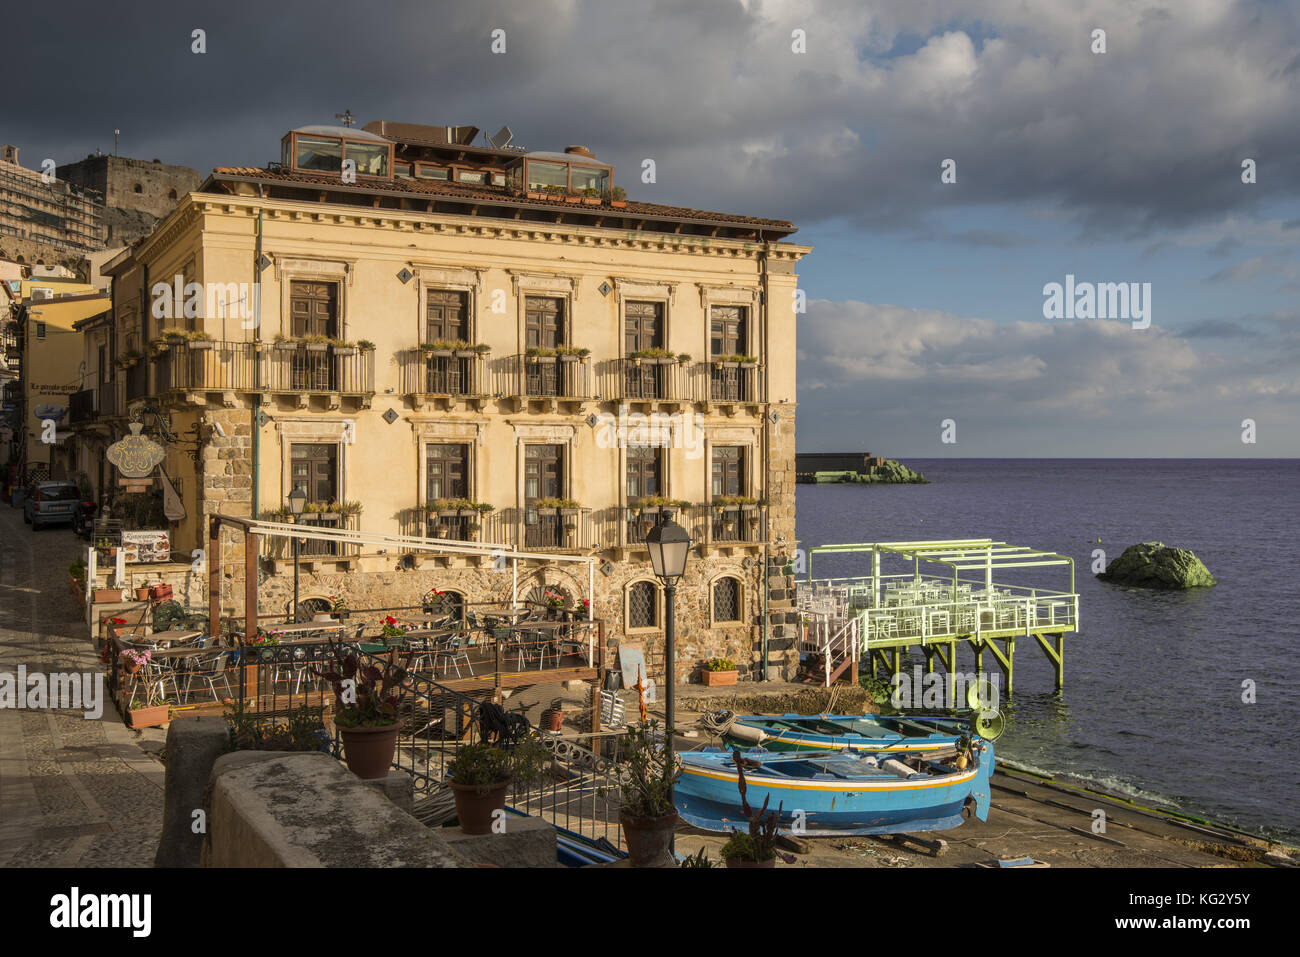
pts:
[545, 378]
[307, 368]
[650, 379]
[723, 382]
[444, 374]
[310, 550]
[729, 524]
[205, 365]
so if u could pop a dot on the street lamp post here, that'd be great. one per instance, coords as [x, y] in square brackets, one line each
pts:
[669, 546]
[297, 500]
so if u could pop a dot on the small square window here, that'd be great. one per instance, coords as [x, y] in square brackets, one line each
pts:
[470, 176]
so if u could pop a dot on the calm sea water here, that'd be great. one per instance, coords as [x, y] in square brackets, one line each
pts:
[1152, 705]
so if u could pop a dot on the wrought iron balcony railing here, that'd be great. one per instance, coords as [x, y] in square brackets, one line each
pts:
[460, 373]
[553, 377]
[306, 368]
[199, 365]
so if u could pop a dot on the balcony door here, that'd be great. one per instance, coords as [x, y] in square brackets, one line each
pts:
[643, 328]
[543, 322]
[445, 472]
[543, 478]
[728, 470]
[315, 468]
[728, 337]
[446, 316]
[314, 309]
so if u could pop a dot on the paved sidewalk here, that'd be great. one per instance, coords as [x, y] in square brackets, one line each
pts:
[73, 792]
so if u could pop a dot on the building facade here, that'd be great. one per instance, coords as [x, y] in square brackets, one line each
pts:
[37, 216]
[480, 344]
[137, 194]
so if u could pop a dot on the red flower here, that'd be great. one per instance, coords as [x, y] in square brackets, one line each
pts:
[390, 620]
[118, 621]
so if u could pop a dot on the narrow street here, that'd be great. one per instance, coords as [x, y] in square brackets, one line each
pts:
[74, 792]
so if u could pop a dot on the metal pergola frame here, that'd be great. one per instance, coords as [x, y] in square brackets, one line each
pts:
[963, 554]
[253, 529]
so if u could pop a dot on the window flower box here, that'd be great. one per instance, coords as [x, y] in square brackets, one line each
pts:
[466, 353]
[345, 350]
[200, 345]
[286, 345]
[315, 346]
[103, 595]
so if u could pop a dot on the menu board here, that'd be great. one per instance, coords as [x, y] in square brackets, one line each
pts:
[147, 546]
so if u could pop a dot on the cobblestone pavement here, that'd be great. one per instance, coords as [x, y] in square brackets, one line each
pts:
[74, 792]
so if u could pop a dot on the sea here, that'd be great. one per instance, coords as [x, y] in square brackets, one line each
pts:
[1183, 700]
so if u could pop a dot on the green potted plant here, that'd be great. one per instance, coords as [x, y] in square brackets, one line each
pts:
[365, 345]
[758, 847]
[366, 700]
[151, 715]
[719, 671]
[618, 197]
[315, 343]
[647, 814]
[482, 772]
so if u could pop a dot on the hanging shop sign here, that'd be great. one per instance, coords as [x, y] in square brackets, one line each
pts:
[135, 455]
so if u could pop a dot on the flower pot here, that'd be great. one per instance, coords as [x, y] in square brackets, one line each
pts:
[648, 839]
[715, 679]
[369, 750]
[618, 203]
[315, 346]
[475, 804]
[108, 595]
[142, 594]
[552, 719]
[131, 667]
[199, 345]
[746, 862]
[150, 717]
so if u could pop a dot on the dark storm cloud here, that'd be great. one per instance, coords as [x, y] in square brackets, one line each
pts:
[1150, 134]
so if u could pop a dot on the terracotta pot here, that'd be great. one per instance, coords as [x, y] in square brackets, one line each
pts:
[131, 667]
[475, 804]
[552, 719]
[746, 862]
[105, 595]
[648, 838]
[714, 679]
[149, 717]
[369, 750]
[142, 594]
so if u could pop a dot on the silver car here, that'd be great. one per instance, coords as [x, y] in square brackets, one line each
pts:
[51, 503]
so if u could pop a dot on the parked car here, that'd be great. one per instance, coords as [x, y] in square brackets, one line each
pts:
[52, 503]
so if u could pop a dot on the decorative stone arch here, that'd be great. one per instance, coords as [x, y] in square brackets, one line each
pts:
[742, 600]
[628, 586]
[554, 578]
[309, 606]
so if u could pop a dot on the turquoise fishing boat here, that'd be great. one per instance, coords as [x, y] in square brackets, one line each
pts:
[844, 792]
[838, 732]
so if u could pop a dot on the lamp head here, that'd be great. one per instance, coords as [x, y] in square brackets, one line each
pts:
[669, 545]
[297, 500]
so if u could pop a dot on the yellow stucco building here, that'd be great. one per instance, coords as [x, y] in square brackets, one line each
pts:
[470, 343]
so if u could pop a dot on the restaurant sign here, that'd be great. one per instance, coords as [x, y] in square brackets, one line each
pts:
[135, 455]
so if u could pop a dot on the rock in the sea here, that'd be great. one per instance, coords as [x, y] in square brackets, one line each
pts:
[1156, 565]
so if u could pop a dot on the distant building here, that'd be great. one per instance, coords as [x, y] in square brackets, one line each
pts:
[57, 215]
[137, 194]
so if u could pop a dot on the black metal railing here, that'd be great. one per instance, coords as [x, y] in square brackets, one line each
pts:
[559, 377]
[729, 382]
[280, 547]
[81, 407]
[740, 523]
[200, 365]
[308, 368]
[648, 379]
[460, 373]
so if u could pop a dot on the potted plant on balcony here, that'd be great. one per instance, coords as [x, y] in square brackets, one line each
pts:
[591, 196]
[344, 348]
[717, 672]
[758, 847]
[133, 660]
[365, 345]
[198, 340]
[618, 197]
[315, 343]
[647, 814]
[283, 344]
[683, 358]
[572, 353]
[128, 359]
[437, 349]
[366, 700]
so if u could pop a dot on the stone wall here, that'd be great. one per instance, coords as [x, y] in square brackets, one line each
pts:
[130, 215]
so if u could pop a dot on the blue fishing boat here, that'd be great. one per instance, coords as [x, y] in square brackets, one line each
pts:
[843, 792]
[837, 732]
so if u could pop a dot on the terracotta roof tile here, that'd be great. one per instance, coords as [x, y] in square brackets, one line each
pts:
[459, 191]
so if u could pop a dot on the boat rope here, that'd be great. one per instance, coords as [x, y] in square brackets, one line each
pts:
[718, 722]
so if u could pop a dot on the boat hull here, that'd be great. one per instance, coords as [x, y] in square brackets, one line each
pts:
[707, 797]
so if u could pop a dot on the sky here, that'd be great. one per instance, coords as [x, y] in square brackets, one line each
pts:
[926, 332]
